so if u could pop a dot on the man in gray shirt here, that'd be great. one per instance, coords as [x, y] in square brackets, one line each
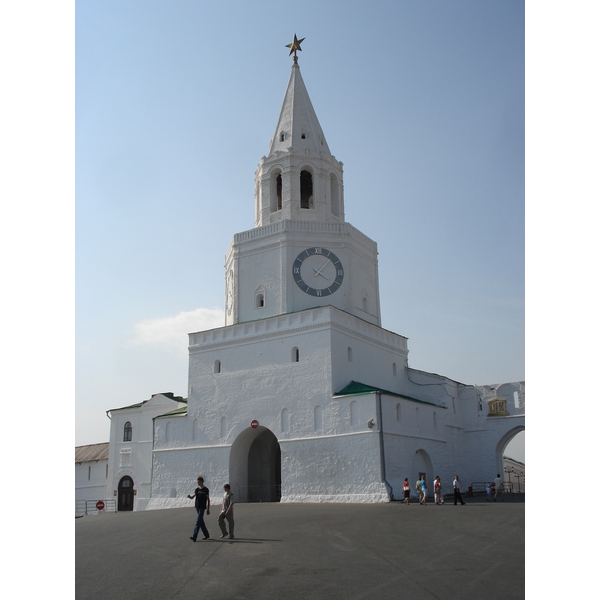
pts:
[226, 512]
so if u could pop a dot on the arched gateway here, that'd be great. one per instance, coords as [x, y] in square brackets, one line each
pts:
[255, 466]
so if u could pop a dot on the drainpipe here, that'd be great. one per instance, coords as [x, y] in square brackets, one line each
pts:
[390, 489]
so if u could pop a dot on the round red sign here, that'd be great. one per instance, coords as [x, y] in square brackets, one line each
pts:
[254, 424]
[99, 505]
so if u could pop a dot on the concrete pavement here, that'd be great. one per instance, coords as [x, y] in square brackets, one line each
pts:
[305, 551]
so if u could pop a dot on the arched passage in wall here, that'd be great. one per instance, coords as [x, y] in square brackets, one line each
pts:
[255, 466]
[501, 447]
[422, 465]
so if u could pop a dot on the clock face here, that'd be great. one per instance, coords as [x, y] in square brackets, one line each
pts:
[318, 271]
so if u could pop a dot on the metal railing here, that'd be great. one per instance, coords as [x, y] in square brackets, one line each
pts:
[87, 507]
[479, 487]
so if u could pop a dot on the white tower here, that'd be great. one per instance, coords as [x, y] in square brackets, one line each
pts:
[301, 253]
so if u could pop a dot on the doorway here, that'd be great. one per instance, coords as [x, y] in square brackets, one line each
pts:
[255, 466]
[125, 493]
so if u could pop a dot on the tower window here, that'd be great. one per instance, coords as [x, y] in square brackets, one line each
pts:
[295, 355]
[275, 191]
[282, 137]
[349, 354]
[217, 368]
[306, 190]
[260, 301]
[303, 136]
[279, 187]
[335, 198]
[127, 430]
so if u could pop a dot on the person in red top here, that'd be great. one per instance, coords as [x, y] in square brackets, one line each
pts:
[406, 490]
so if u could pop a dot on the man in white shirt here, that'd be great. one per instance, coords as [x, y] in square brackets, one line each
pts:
[457, 496]
[498, 487]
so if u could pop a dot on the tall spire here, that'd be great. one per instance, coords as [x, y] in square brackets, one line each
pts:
[299, 179]
[297, 127]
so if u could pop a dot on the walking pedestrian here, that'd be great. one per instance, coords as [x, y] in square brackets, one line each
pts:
[457, 496]
[419, 490]
[202, 497]
[424, 490]
[406, 490]
[498, 488]
[226, 512]
[437, 490]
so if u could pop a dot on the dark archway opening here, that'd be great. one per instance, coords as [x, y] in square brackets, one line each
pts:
[125, 493]
[255, 466]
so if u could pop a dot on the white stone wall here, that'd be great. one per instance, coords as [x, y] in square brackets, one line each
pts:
[91, 480]
[341, 468]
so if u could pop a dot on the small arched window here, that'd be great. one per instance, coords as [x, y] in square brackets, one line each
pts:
[349, 354]
[279, 192]
[127, 432]
[276, 191]
[335, 198]
[217, 367]
[260, 301]
[295, 354]
[398, 412]
[394, 369]
[318, 418]
[285, 421]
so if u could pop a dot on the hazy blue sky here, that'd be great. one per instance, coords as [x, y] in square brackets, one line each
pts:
[176, 102]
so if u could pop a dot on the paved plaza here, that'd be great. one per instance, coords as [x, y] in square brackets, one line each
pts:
[307, 551]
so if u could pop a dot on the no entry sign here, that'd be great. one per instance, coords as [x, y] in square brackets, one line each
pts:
[254, 424]
[99, 505]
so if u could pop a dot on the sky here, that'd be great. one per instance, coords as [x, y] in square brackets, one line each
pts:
[129, 137]
[177, 102]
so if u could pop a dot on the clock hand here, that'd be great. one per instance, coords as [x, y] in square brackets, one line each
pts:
[321, 269]
[319, 273]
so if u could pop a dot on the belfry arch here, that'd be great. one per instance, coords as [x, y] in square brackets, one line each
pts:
[255, 466]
